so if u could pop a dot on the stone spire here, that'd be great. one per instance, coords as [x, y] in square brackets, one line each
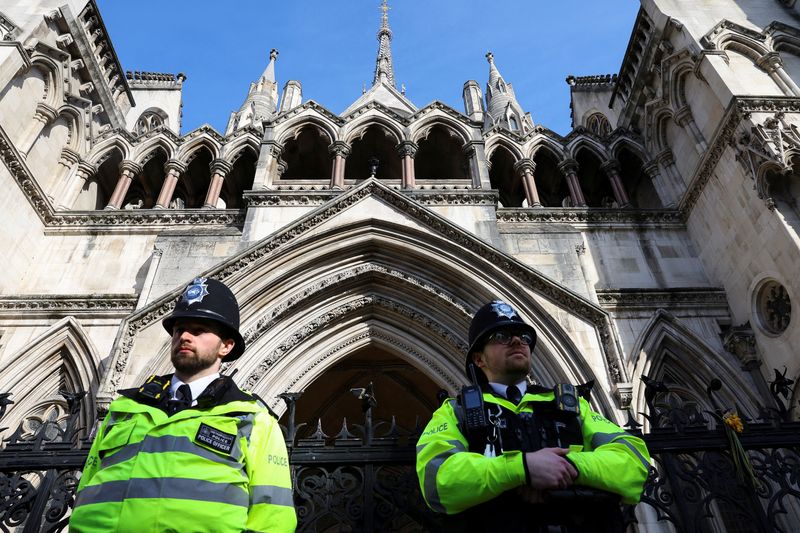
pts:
[501, 103]
[384, 68]
[261, 101]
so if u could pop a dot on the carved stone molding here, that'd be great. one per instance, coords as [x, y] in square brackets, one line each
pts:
[67, 304]
[314, 195]
[741, 342]
[775, 141]
[358, 305]
[367, 270]
[655, 217]
[441, 196]
[741, 108]
[629, 299]
[371, 333]
[311, 196]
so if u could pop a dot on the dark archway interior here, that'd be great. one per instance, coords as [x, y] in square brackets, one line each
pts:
[550, 182]
[145, 188]
[502, 178]
[594, 182]
[376, 142]
[440, 156]
[239, 179]
[105, 179]
[193, 185]
[400, 389]
[637, 183]
[306, 156]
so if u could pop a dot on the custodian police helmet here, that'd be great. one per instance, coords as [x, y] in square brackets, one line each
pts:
[209, 299]
[491, 317]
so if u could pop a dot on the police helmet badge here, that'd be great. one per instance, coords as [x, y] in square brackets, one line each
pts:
[501, 308]
[196, 291]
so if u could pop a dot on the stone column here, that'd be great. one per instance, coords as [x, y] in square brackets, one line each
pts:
[665, 194]
[44, 115]
[524, 169]
[772, 64]
[340, 150]
[569, 167]
[266, 166]
[219, 169]
[676, 183]
[173, 170]
[127, 170]
[684, 119]
[407, 150]
[72, 186]
[611, 168]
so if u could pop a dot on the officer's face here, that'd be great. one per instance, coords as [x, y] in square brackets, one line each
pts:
[197, 347]
[505, 363]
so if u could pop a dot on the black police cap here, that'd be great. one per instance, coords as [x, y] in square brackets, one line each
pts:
[209, 299]
[495, 315]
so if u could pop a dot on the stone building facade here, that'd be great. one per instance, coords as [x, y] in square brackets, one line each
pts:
[659, 237]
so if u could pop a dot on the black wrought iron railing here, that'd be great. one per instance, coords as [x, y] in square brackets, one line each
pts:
[363, 479]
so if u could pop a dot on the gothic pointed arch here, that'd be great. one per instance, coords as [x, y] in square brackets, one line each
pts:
[96, 191]
[307, 291]
[496, 140]
[357, 128]
[191, 148]
[146, 149]
[420, 127]
[440, 154]
[286, 127]
[306, 155]
[594, 181]
[503, 177]
[668, 350]
[62, 358]
[103, 150]
[550, 182]
[371, 141]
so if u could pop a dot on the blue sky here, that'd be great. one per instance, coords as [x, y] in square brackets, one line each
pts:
[330, 47]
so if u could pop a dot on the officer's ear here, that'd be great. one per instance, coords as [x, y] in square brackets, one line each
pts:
[477, 358]
[226, 347]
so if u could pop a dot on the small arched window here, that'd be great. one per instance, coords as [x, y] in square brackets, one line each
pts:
[512, 123]
[598, 124]
[148, 121]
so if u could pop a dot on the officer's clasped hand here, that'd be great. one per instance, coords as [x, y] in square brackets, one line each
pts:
[549, 469]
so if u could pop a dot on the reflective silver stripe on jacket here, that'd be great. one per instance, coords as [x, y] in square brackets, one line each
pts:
[168, 444]
[163, 487]
[244, 430]
[598, 439]
[271, 494]
[432, 471]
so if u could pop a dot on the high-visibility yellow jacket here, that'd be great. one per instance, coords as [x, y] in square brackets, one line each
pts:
[453, 479]
[220, 467]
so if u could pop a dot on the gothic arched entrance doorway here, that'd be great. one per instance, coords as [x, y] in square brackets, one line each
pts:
[400, 391]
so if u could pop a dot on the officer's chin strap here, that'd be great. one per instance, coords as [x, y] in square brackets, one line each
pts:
[494, 434]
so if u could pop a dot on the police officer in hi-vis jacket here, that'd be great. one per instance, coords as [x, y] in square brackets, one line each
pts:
[189, 451]
[509, 456]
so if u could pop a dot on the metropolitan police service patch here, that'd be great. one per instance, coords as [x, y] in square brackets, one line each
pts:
[503, 309]
[196, 291]
[214, 438]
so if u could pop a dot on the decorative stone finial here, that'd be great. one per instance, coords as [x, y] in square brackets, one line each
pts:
[490, 57]
[273, 54]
